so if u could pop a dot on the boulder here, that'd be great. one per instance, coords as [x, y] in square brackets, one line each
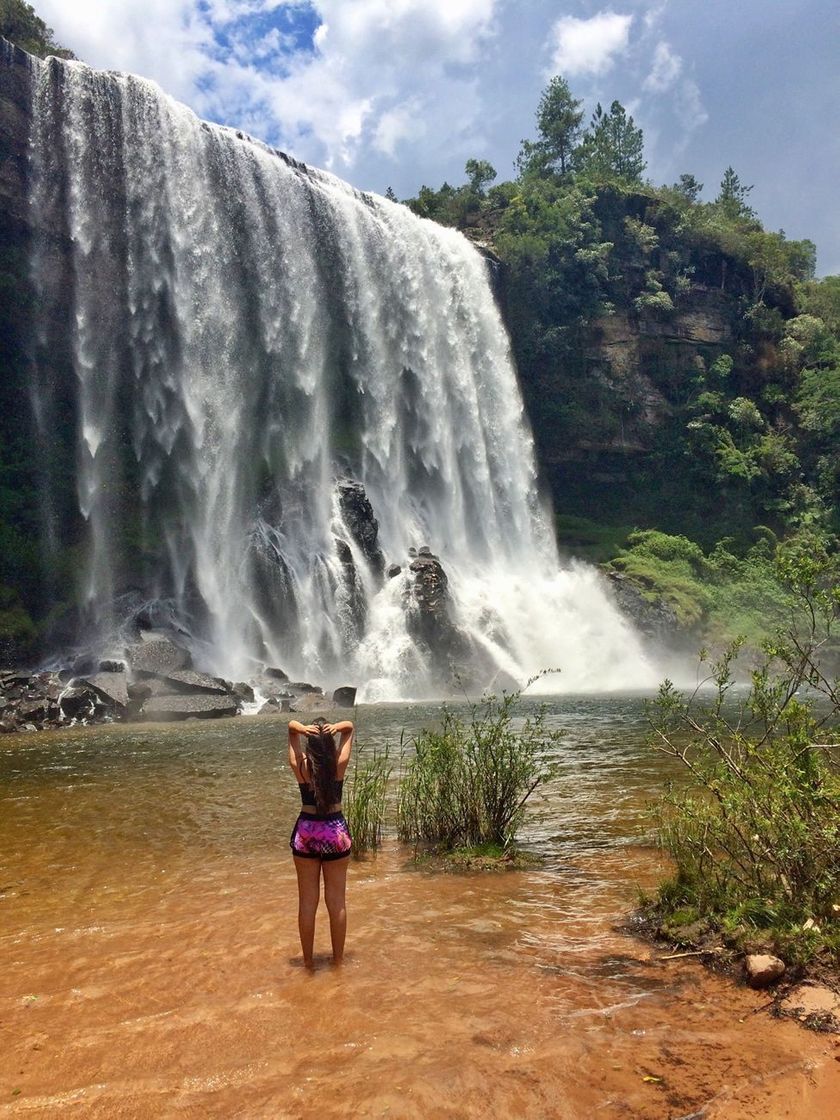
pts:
[271, 708]
[187, 680]
[275, 674]
[393, 570]
[157, 657]
[302, 687]
[200, 705]
[311, 702]
[109, 687]
[243, 691]
[357, 514]
[33, 709]
[78, 702]
[111, 666]
[762, 970]
[344, 697]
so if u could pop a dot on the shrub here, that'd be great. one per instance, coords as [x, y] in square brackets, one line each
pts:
[756, 837]
[468, 783]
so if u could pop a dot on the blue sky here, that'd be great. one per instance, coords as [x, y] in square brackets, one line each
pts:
[402, 92]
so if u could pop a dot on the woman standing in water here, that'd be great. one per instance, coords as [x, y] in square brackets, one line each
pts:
[320, 840]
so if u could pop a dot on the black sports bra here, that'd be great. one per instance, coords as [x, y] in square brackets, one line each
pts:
[307, 794]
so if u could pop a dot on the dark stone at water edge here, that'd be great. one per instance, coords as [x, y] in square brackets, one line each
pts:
[393, 570]
[344, 697]
[183, 706]
[275, 674]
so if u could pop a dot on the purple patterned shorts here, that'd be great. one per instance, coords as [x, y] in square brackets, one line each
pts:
[321, 837]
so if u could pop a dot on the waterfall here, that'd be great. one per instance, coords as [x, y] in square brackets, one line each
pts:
[267, 364]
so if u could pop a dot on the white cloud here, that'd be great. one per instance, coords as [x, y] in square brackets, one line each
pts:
[666, 68]
[589, 46]
[373, 70]
[691, 112]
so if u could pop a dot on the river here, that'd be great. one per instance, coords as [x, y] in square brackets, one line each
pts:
[151, 963]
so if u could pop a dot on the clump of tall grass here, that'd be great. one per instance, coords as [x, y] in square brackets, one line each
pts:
[468, 783]
[364, 797]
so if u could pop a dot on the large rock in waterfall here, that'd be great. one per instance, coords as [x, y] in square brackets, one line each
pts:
[452, 655]
[361, 523]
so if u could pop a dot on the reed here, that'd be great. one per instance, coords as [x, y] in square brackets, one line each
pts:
[365, 796]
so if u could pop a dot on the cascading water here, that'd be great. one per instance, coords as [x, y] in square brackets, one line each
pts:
[254, 342]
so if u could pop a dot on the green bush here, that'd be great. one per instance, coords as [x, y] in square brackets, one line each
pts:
[468, 783]
[755, 838]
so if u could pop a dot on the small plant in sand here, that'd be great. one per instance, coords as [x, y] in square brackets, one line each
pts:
[756, 836]
[467, 784]
[364, 797]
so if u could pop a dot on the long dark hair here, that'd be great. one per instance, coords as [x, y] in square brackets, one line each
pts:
[321, 761]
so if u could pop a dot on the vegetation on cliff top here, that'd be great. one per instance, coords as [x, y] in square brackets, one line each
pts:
[20, 24]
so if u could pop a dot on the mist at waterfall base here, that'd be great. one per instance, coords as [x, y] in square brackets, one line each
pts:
[253, 340]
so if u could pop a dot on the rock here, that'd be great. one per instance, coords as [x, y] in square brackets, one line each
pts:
[275, 674]
[33, 709]
[344, 697]
[77, 702]
[110, 687]
[302, 687]
[393, 570]
[182, 706]
[109, 666]
[157, 657]
[243, 691]
[270, 708]
[762, 970]
[424, 550]
[357, 514]
[140, 690]
[311, 702]
[187, 680]
[654, 617]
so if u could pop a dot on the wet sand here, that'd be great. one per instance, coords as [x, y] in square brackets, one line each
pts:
[463, 995]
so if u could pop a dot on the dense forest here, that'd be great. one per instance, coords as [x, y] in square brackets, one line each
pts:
[680, 367]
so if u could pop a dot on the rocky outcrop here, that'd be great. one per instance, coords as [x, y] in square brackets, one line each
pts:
[358, 516]
[650, 614]
[453, 657]
[183, 706]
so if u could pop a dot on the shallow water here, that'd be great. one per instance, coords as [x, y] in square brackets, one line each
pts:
[148, 930]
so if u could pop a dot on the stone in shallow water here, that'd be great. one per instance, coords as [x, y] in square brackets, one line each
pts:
[202, 706]
[344, 697]
[110, 687]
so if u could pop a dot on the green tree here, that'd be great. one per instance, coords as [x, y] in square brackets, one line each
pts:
[558, 124]
[688, 188]
[732, 197]
[613, 147]
[390, 195]
[479, 174]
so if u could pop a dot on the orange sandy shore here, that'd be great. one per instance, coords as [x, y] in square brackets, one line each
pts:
[482, 995]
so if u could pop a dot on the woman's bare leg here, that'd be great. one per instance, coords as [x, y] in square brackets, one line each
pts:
[335, 882]
[309, 893]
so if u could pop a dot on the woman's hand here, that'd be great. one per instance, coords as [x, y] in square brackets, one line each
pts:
[338, 728]
[299, 729]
